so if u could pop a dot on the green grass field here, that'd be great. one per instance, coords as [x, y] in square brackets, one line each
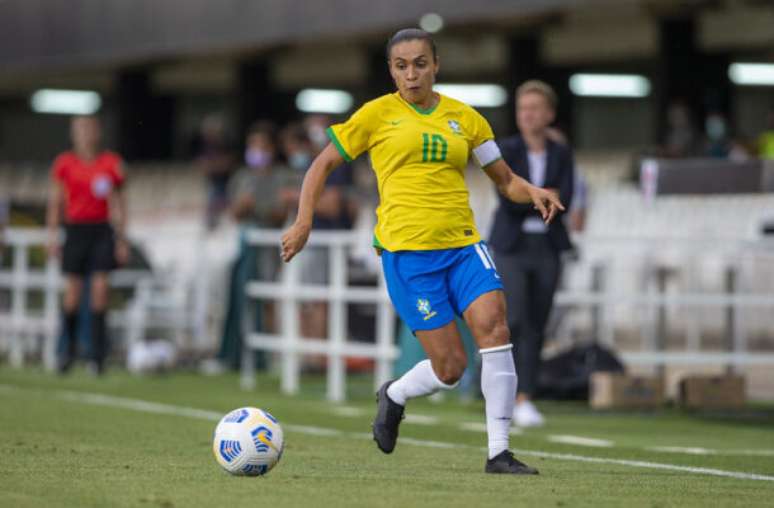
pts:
[80, 442]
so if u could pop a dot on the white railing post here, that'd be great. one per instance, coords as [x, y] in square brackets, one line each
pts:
[51, 315]
[19, 303]
[290, 341]
[337, 322]
[385, 336]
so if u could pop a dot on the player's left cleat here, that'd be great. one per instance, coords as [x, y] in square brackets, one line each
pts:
[388, 417]
[506, 463]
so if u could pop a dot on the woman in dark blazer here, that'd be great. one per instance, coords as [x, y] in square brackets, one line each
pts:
[526, 250]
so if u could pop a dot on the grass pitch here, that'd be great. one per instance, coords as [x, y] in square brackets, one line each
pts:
[128, 441]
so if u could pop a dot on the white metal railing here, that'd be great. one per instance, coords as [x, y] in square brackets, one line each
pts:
[605, 254]
[290, 291]
[20, 326]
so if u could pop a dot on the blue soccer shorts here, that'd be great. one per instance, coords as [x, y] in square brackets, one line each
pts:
[429, 287]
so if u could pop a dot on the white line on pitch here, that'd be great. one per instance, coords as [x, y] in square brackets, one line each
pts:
[580, 441]
[169, 409]
[682, 449]
[348, 411]
[421, 419]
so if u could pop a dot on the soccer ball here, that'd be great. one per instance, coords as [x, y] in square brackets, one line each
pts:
[248, 442]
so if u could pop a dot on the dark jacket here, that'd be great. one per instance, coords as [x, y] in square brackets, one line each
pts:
[560, 174]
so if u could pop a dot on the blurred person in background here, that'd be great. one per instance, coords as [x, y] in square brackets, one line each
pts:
[680, 138]
[258, 198]
[766, 139]
[5, 215]
[434, 261]
[215, 159]
[526, 249]
[718, 144]
[332, 213]
[87, 183]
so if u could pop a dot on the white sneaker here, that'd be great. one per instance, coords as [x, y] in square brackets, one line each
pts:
[525, 414]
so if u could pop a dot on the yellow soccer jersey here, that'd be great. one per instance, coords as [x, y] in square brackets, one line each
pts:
[419, 157]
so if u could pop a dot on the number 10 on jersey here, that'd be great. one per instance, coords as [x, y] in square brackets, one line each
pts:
[434, 148]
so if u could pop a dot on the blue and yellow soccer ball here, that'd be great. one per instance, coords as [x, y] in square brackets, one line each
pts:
[248, 442]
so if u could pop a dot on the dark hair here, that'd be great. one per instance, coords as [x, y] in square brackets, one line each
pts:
[263, 127]
[295, 132]
[411, 34]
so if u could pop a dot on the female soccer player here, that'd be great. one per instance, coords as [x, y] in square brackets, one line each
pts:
[87, 181]
[434, 261]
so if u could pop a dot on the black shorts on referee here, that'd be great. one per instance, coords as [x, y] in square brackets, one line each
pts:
[88, 248]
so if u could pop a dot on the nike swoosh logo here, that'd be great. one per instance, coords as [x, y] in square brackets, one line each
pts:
[396, 122]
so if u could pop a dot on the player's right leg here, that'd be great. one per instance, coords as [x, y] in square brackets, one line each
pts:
[416, 282]
[441, 371]
[70, 307]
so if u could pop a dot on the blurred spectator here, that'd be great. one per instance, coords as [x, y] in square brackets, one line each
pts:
[5, 214]
[4, 220]
[214, 157]
[681, 136]
[718, 144]
[258, 193]
[333, 212]
[258, 198]
[87, 183]
[766, 139]
[527, 251]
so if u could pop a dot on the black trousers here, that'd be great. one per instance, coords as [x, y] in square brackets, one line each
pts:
[530, 276]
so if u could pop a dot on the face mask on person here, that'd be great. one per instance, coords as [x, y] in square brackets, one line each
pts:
[318, 136]
[257, 158]
[716, 128]
[300, 161]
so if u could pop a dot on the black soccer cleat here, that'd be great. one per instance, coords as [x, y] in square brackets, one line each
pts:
[506, 463]
[64, 365]
[388, 417]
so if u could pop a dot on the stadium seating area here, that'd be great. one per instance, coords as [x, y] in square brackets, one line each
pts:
[697, 239]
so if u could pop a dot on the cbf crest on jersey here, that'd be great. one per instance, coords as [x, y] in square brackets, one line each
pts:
[423, 306]
[454, 125]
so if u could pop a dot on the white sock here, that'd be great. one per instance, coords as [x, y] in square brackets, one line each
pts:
[420, 380]
[498, 384]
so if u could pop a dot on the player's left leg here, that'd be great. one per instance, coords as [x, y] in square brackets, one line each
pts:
[486, 319]
[477, 293]
[99, 297]
[416, 282]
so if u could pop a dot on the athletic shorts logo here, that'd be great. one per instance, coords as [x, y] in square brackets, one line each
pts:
[423, 306]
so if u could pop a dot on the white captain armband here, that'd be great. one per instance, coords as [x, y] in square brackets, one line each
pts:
[486, 153]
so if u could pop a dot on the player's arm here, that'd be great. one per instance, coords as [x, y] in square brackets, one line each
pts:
[119, 225]
[53, 210]
[518, 190]
[295, 238]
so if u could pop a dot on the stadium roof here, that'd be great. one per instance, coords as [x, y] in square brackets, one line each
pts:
[42, 35]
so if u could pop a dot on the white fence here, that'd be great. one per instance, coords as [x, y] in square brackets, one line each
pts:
[649, 302]
[633, 293]
[653, 285]
[24, 330]
[290, 292]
